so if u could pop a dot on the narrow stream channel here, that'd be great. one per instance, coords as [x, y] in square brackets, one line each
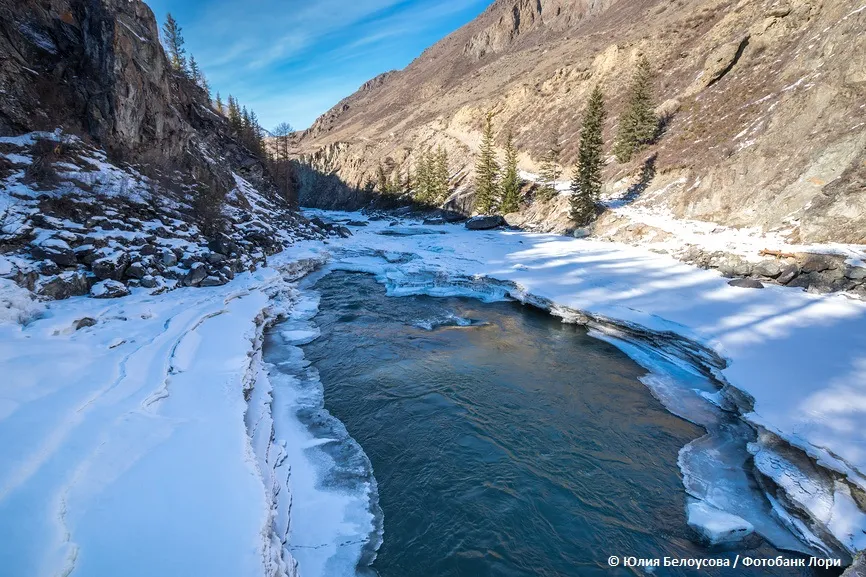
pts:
[504, 442]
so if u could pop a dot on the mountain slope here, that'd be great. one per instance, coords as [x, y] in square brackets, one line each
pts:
[766, 99]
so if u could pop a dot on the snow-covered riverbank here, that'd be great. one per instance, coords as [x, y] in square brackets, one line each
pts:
[143, 441]
[125, 447]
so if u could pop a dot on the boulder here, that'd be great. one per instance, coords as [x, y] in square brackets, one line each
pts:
[319, 222]
[196, 275]
[55, 250]
[734, 266]
[213, 281]
[111, 267]
[789, 273]
[136, 270]
[357, 223]
[855, 273]
[65, 285]
[485, 222]
[768, 269]
[223, 245]
[86, 254]
[746, 283]
[48, 268]
[343, 231]
[168, 257]
[582, 232]
[817, 263]
[148, 281]
[109, 289]
[215, 257]
[83, 323]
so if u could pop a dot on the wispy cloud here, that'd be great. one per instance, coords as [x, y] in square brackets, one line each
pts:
[292, 60]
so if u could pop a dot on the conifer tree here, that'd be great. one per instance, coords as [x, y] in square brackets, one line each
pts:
[440, 175]
[381, 179]
[397, 181]
[245, 121]
[173, 39]
[551, 170]
[638, 125]
[235, 121]
[586, 184]
[510, 180]
[256, 135]
[220, 107]
[423, 178]
[486, 171]
[194, 70]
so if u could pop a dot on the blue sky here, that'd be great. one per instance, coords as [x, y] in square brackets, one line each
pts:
[292, 60]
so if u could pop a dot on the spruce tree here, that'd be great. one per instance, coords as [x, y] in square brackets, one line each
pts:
[639, 124]
[381, 179]
[173, 39]
[422, 177]
[586, 184]
[486, 171]
[397, 181]
[220, 107]
[440, 175]
[234, 116]
[194, 70]
[551, 170]
[510, 180]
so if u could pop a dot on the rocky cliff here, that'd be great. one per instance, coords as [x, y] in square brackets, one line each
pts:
[97, 69]
[765, 100]
[115, 172]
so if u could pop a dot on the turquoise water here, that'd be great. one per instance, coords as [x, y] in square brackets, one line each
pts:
[504, 443]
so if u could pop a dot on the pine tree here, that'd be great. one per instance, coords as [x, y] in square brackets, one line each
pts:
[440, 175]
[220, 107]
[511, 180]
[551, 170]
[586, 184]
[638, 125]
[486, 171]
[173, 39]
[381, 180]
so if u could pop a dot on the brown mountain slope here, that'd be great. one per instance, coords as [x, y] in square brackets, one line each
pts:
[769, 95]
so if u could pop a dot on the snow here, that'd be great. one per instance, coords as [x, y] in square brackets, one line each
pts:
[16, 306]
[717, 526]
[746, 242]
[140, 463]
[166, 445]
